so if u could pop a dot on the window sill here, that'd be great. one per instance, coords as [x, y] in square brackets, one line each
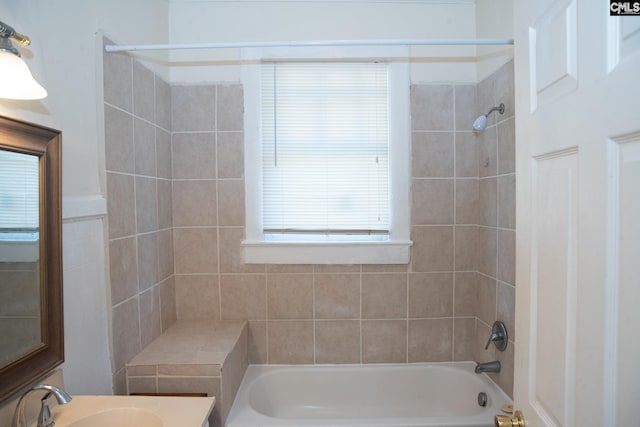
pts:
[263, 252]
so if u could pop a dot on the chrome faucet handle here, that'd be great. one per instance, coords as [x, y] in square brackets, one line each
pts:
[498, 336]
[44, 417]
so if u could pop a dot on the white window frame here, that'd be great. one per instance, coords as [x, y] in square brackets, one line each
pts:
[257, 248]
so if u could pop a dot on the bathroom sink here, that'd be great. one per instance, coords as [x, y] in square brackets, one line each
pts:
[122, 417]
[133, 411]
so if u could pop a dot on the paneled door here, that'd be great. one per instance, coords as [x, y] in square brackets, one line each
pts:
[577, 74]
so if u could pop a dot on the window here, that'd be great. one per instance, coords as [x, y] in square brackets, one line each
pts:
[327, 175]
[19, 200]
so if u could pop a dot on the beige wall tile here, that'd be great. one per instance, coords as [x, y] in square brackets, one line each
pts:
[121, 205]
[432, 154]
[507, 308]
[337, 341]
[467, 194]
[485, 98]
[483, 332]
[337, 296]
[144, 102]
[384, 296]
[507, 146]
[431, 107]
[257, 342]
[231, 202]
[146, 204]
[466, 164]
[290, 341]
[488, 202]
[290, 296]
[118, 91]
[432, 201]
[466, 248]
[385, 268]
[507, 256]
[150, 320]
[487, 152]
[123, 269]
[230, 155]
[466, 294]
[230, 108]
[465, 106]
[486, 299]
[487, 250]
[163, 153]
[193, 108]
[289, 268]
[209, 385]
[142, 385]
[126, 332]
[193, 155]
[147, 260]
[463, 337]
[165, 204]
[168, 303]
[165, 254]
[432, 249]
[231, 254]
[384, 341]
[243, 297]
[195, 250]
[118, 127]
[507, 201]
[144, 142]
[504, 89]
[430, 295]
[505, 378]
[430, 340]
[197, 296]
[336, 268]
[163, 104]
[194, 203]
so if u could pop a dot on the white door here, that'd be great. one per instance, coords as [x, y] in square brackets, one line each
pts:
[577, 74]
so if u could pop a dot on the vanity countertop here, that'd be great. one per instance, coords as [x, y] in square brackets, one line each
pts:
[173, 411]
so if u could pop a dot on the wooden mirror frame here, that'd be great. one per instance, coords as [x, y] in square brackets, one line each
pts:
[22, 137]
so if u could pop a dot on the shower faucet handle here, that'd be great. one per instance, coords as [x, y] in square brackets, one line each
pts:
[498, 336]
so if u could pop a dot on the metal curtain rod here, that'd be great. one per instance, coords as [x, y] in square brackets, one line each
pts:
[399, 42]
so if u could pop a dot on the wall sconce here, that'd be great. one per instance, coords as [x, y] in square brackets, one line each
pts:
[17, 81]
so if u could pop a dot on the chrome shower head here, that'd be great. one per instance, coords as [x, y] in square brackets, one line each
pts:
[481, 122]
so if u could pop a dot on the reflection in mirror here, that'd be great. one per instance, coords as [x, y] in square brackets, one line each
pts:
[19, 255]
[31, 316]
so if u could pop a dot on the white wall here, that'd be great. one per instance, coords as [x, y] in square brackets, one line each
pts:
[264, 20]
[494, 19]
[64, 58]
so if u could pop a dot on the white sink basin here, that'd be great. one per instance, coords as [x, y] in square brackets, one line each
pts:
[133, 411]
[122, 417]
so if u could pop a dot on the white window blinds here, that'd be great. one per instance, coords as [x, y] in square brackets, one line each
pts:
[325, 148]
[18, 191]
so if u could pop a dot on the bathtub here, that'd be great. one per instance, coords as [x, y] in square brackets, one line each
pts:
[417, 394]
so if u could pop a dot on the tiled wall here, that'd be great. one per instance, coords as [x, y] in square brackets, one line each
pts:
[438, 308]
[495, 287]
[137, 114]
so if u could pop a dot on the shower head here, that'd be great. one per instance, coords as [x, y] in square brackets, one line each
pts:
[481, 122]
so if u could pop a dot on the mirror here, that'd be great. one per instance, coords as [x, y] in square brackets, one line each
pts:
[31, 322]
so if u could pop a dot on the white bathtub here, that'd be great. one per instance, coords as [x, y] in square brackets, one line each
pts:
[420, 394]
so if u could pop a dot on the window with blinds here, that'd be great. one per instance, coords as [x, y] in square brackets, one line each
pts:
[19, 199]
[325, 148]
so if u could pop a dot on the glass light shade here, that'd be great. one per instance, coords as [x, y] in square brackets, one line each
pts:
[16, 81]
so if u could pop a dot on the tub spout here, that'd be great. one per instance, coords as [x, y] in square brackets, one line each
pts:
[488, 367]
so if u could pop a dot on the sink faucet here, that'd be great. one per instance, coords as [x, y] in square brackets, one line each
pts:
[44, 419]
[488, 367]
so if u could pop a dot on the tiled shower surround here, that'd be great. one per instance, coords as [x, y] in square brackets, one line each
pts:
[438, 308]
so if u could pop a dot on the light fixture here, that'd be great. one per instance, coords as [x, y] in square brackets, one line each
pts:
[17, 81]
[481, 122]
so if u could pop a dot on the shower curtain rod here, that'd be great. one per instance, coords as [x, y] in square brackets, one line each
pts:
[399, 42]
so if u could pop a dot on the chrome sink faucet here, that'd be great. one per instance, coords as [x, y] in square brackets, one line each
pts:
[44, 419]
